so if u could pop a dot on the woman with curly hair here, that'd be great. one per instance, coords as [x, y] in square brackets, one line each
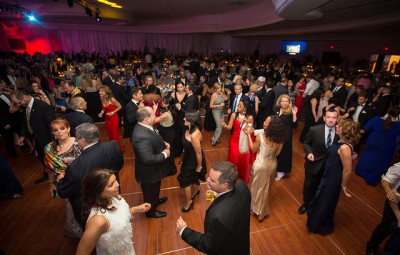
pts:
[336, 177]
[239, 152]
[268, 145]
[110, 108]
[108, 225]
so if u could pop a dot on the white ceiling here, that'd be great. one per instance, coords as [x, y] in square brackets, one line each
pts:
[322, 19]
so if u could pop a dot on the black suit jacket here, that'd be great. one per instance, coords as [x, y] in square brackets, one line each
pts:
[382, 105]
[190, 104]
[233, 97]
[40, 119]
[341, 96]
[150, 162]
[6, 118]
[75, 118]
[365, 114]
[106, 155]
[119, 94]
[265, 107]
[130, 111]
[279, 90]
[179, 80]
[315, 143]
[226, 225]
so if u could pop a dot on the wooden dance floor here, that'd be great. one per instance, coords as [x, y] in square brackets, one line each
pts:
[34, 223]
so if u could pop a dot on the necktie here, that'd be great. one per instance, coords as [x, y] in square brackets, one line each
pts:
[235, 103]
[329, 140]
[28, 116]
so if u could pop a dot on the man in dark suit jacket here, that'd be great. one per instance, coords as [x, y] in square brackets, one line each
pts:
[131, 109]
[94, 155]
[151, 153]
[191, 103]
[279, 90]
[77, 116]
[36, 122]
[107, 79]
[261, 87]
[72, 91]
[266, 105]
[235, 99]
[382, 101]
[316, 148]
[227, 221]
[121, 96]
[361, 112]
[149, 81]
[181, 79]
[7, 122]
[340, 92]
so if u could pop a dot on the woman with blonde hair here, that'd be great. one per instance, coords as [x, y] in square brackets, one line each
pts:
[217, 103]
[254, 100]
[91, 84]
[336, 177]
[287, 113]
[110, 108]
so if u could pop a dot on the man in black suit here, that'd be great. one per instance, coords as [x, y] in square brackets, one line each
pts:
[121, 96]
[235, 99]
[340, 92]
[36, 122]
[360, 112]
[316, 145]
[220, 79]
[382, 101]
[191, 103]
[151, 153]
[266, 105]
[149, 81]
[77, 116]
[107, 79]
[131, 108]
[182, 78]
[227, 221]
[94, 155]
[279, 90]
[261, 87]
[7, 122]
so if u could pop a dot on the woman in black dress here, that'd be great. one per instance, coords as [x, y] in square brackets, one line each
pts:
[336, 177]
[287, 113]
[311, 113]
[180, 97]
[194, 164]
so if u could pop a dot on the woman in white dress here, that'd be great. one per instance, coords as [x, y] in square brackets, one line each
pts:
[108, 226]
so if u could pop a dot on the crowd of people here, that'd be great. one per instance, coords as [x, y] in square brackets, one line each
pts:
[159, 106]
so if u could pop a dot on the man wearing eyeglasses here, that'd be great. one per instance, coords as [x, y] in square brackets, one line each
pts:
[36, 122]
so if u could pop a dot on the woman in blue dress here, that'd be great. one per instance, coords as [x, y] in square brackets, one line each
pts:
[380, 147]
[337, 173]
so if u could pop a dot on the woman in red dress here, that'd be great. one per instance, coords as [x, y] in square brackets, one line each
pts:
[239, 151]
[110, 108]
[299, 99]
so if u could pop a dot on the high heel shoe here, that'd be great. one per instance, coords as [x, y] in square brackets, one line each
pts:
[196, 194]
[183, 209]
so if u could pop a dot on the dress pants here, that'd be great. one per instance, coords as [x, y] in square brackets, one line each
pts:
[151, 194]
[311, 182]
[382, 230]
[218, 116]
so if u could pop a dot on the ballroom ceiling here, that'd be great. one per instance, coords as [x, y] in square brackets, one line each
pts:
[318, 19]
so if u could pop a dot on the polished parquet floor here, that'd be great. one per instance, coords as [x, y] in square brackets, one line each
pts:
[34, 223]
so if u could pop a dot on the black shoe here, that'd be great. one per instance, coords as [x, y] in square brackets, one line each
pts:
[371, 251]
[162, 200]
[156, 214]
[44, 178]
[183, 209]
[196, 194]
[302, 209]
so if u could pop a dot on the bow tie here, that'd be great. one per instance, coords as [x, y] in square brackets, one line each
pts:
[362, 105]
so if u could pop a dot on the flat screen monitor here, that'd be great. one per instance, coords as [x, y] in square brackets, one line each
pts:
[293, 47]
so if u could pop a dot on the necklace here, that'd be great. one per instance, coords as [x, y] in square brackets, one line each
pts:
[64, 145]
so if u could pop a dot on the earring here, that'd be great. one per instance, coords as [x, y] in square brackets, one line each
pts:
[69, 134]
